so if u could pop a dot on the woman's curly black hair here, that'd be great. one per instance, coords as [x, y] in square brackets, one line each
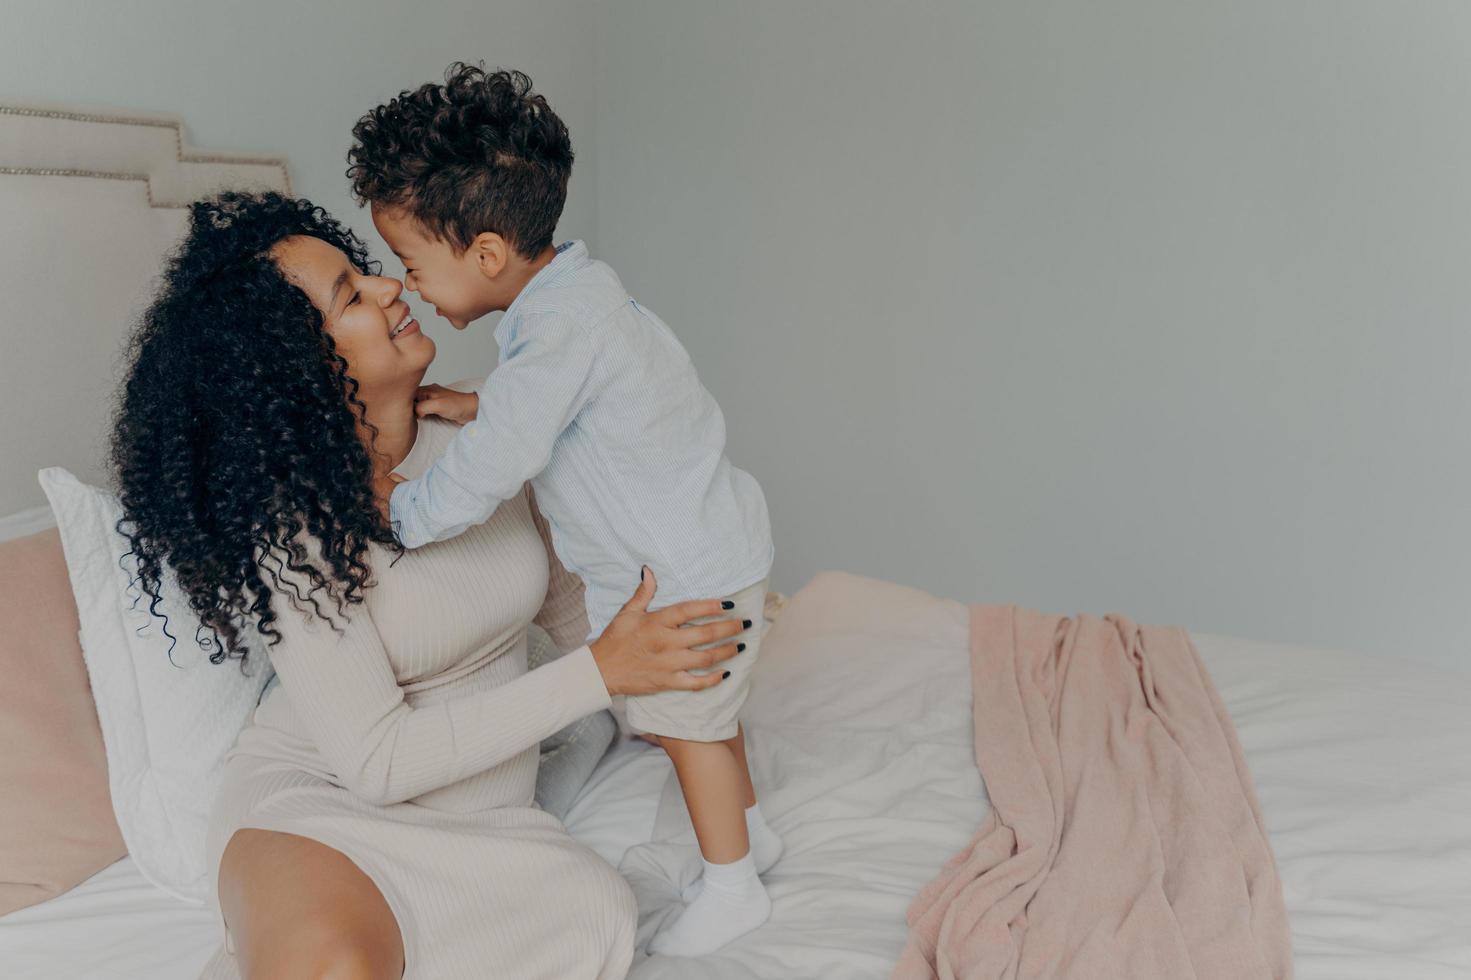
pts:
[482, 152]
[236, 437]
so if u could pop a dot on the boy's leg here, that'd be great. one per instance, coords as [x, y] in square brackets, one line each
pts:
[737, 748]
[765, 846]
[733, 901]
[715, 789]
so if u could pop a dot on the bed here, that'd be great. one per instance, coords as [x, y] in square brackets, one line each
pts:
[1361, 767]
[858, 725]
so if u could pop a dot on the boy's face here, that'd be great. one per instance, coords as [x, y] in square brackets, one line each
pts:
[451, 281]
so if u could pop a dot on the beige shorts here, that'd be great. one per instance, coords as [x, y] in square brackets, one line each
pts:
[710, 715]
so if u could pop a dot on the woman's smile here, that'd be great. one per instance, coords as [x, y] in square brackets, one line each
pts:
[406, 325]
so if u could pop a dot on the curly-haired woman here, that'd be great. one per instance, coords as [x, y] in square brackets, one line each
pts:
[376, 818]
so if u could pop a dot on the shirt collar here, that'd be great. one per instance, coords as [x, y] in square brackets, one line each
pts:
[570, 257]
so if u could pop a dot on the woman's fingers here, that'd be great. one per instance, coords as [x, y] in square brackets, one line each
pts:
[686, 681]
[694, 636]
[703, 659]
[643, 653]
[682, 612]
[644, 594]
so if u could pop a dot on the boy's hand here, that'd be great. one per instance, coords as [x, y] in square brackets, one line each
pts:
[383, 489]
[457, 406]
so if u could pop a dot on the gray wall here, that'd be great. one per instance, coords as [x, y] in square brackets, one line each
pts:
[291, 78]
[1145, 306]
[1142, 306]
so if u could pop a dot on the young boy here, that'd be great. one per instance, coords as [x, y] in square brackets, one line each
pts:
[595, 403]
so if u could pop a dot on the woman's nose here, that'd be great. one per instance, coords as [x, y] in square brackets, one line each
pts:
[391, 288]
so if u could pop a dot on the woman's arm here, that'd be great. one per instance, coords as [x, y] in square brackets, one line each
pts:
[341, 684]
[386, 751]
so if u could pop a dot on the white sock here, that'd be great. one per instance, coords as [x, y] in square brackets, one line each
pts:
[766, 848]
[732, 903]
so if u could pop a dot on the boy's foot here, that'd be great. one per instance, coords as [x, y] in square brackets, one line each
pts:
[766, 848]
[732, 903]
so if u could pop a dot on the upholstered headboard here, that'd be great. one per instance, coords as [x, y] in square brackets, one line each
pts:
[90, 203]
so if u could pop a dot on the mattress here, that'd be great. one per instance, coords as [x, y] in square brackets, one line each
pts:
[1363, 767]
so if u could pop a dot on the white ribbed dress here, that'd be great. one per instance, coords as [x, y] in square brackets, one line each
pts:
[409, 742]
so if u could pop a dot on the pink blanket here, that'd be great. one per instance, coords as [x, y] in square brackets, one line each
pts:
[1125, 840]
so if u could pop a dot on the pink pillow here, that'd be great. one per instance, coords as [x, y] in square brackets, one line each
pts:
[56, 823]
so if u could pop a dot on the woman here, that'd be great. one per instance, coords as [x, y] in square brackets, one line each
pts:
[376, 818]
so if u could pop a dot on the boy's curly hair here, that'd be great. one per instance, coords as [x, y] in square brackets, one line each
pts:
[482, 152]
[236, 438]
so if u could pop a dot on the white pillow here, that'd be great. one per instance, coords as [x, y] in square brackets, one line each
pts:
[166, 724]
[568, 757]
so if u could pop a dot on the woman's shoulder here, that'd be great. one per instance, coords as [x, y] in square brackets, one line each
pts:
[430, 442]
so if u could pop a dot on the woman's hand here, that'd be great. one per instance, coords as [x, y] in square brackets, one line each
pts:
[457, 406]
[644, 652]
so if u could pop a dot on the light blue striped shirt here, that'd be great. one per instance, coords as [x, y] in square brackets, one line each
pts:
[598, 405]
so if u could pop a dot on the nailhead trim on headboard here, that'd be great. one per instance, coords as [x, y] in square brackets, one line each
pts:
[179, 153]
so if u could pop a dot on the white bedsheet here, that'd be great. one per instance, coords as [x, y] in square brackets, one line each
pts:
[114, 926]
[1363, 767]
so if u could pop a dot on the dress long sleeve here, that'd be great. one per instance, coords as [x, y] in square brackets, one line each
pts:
[385, 750]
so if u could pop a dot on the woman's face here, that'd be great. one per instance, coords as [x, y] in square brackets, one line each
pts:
[367, 320]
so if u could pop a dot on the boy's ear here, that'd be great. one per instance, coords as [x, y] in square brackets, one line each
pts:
[491, 253]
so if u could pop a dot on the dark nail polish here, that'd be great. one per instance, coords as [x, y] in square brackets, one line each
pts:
[725, 675]
[745, 624]
[740, 647]
[727, 604]
[643, 572]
